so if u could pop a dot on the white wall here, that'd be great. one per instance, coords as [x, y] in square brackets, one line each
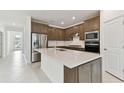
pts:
[2, 29]
[10, 42]
[110, 14]
[27, 40]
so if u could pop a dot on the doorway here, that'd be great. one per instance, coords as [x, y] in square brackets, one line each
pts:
[14, 41]
[18, 41]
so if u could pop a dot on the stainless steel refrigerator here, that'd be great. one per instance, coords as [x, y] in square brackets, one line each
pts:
[38, 41]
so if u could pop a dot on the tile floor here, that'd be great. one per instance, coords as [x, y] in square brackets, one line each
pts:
[13, 69]
[107, 78]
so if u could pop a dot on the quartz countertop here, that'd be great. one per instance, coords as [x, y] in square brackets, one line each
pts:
[69, 58]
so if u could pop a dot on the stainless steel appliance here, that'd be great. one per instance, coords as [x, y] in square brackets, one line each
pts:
[38, 41]
[92, 41]
[92, 36]
[0, 44]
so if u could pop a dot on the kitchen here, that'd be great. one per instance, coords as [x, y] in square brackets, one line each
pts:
[74, 48]
[64, 46]
[80, 37]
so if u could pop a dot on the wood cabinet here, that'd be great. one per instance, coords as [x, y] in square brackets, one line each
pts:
[39, 28]
[96, 71]
[84, 73]
[89, 25]
[90, 72]
[55, 33]
[68, 33]
[52, 32]
[92, 24]
[70, 75]
[87, 73]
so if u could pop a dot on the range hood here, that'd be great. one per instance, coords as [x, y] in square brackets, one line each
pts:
[77, 42]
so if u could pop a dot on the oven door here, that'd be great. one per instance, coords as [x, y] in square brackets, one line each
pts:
[92, 48]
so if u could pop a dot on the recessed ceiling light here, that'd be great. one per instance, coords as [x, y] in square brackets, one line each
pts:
[62, 22]
[73, 17]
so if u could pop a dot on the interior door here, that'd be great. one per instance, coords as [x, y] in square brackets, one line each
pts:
[114, 47]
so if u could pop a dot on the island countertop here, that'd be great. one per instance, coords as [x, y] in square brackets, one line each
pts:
[69, 58]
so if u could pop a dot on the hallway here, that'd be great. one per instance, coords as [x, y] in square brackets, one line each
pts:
[13, 69]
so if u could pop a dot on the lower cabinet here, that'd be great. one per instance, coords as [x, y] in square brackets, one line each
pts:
[84, 73]
[70, 75]
[87, 73]
[96, 71]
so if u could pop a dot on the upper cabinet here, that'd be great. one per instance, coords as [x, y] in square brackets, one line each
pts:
[89, 25]
[92, 24]
[52, 32]
[55, 33]
[39, 28]
[68, 33]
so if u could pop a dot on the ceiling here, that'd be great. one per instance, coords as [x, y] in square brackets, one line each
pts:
[51, 17]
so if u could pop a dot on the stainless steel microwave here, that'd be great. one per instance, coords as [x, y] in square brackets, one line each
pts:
[92, 36]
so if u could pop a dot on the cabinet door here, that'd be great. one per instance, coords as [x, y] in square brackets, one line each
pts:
[51, 33]
[35, 27]
[81, 32]
[69, 33]
[84, 72]
[70, 75]
[96, 71]
[92, 24]
[43, 29]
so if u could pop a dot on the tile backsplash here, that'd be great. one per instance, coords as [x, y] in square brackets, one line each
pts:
[66, 43]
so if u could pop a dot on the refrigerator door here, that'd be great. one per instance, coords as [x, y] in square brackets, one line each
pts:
[0, 44]
[38, 41]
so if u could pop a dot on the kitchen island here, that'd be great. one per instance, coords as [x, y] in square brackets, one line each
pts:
[70, 66]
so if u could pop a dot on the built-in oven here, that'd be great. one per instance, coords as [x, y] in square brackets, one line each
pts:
[92, 43]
